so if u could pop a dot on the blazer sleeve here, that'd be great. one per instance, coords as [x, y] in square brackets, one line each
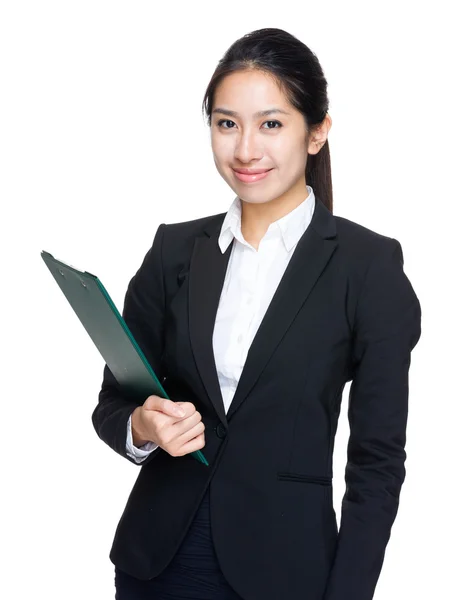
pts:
[387, 328]
[144, 313]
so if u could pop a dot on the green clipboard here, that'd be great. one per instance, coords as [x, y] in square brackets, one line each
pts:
[109, 331]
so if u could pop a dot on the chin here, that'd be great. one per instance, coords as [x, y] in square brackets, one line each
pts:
[256, 197]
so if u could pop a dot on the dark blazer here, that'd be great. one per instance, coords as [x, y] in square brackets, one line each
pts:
[344, 311]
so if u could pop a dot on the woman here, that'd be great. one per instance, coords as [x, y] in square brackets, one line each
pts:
[254, 320]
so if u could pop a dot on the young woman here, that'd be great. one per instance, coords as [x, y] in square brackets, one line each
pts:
[254, 320]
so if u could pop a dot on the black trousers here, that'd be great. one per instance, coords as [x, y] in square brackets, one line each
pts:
[193, 574]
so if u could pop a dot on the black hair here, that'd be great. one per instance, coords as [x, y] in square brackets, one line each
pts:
[297, 71]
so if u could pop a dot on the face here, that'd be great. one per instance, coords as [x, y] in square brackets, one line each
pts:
[243, 139]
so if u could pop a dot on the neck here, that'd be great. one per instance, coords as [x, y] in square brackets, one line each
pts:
[256, 218]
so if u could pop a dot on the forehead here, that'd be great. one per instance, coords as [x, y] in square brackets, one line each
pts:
[249, 91]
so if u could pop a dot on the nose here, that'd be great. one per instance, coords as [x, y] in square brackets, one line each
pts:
[248, 148]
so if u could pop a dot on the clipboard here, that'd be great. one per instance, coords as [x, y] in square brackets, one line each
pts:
[109, 332]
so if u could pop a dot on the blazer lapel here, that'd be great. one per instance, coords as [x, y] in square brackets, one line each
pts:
[207, 274]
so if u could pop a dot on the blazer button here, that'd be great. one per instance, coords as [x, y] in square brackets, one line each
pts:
[220, 430]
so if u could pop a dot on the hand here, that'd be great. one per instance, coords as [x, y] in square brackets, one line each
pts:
[175, 426]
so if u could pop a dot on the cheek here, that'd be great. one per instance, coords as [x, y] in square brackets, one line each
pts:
[221, 164]
[219, 143]
[221, 152]
[292, 157]
[290, 147]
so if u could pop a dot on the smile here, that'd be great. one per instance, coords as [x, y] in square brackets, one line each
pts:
[247, 178]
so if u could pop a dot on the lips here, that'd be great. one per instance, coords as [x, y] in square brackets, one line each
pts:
[251, 175]
[251, 171]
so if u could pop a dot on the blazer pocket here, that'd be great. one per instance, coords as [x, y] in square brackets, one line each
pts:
[301, 477]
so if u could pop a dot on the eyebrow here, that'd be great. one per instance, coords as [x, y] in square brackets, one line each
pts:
[261, 113]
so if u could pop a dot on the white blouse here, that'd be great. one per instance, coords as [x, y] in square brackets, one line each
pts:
[251, 279]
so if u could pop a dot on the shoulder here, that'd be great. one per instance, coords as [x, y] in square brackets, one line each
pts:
[183, 233]
[379, 290]
[352, 234]
[192, 228]
[178, 239]
[361, 245]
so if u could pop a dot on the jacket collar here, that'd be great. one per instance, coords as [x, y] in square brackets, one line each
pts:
[206, 277]
[289, 228]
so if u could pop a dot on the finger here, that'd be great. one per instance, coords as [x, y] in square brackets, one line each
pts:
[172, 408]
[190, 433]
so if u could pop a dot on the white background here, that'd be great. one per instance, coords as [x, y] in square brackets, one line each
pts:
[101, 140]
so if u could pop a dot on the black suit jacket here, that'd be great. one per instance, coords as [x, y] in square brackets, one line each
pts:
[343, 311]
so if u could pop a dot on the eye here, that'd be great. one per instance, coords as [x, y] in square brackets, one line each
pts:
[277, 122]
[219, 124]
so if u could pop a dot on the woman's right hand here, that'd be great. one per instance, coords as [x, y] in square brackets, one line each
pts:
[159, 420]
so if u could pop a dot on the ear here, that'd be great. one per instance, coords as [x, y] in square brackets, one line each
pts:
[319, 135]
